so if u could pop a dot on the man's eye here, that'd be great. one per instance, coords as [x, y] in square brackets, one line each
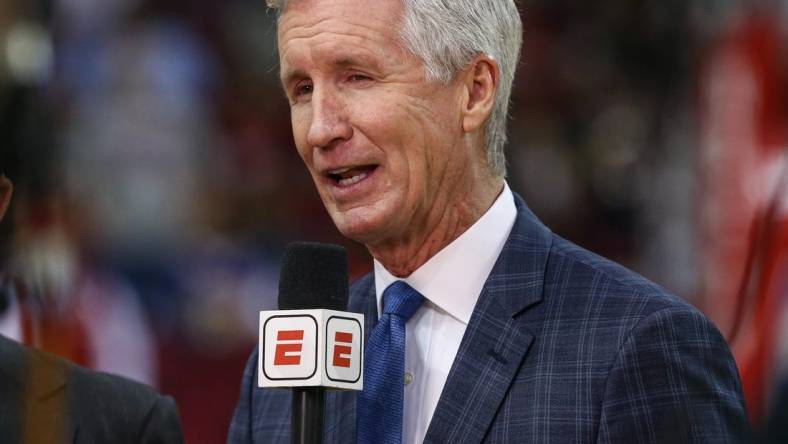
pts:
[358, 78]
[303, 89]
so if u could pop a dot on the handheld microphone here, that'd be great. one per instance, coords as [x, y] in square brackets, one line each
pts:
[311, 343]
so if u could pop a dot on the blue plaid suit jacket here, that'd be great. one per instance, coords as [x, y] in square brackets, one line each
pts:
[563, 346]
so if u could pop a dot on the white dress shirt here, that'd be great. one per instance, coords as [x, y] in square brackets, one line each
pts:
[451, 282]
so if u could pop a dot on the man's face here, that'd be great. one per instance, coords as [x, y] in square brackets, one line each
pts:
[381, 143]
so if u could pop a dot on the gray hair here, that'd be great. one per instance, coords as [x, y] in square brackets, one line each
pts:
[448, 34]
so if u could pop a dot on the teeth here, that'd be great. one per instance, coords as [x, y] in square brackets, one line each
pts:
[352, 180]
[340, 171]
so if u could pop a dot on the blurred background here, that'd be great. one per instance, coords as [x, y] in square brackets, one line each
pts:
[157, 182]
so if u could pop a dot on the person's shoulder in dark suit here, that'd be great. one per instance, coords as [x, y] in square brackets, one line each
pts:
[47, 399]
[669, 373]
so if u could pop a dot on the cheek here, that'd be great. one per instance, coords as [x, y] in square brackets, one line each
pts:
[299, 121]
[401, 138]
[403, 122]
[427, 135]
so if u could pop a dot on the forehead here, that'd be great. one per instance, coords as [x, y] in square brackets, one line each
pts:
[309, 29]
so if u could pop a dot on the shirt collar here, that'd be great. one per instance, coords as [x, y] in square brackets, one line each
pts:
[453, 279]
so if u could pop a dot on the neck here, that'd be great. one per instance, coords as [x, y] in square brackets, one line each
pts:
[443, 225]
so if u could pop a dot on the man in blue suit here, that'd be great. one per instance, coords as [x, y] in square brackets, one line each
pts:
[483, 326]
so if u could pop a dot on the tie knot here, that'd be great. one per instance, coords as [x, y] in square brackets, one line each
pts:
[400, 299]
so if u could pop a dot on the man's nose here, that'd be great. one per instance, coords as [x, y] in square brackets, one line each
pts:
[329, 123]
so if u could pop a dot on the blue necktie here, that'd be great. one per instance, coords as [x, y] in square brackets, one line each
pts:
[379, 408]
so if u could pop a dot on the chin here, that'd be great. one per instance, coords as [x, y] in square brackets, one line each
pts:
[360, 226]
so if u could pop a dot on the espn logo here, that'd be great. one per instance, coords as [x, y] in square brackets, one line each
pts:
[342, 353]
[288, 347]
[290, 342]
[311, 348]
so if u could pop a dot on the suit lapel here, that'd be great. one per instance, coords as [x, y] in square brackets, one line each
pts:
[495, 341]
[50, 420]
[362, 300]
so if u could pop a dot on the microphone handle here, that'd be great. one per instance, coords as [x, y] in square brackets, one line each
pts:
[307, 415]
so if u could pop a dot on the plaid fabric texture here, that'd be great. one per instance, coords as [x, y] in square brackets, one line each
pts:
[563, 347]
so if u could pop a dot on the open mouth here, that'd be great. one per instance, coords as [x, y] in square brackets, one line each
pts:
[345, 177]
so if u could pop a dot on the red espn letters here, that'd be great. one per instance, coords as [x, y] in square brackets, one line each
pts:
[288, 353]
[342, 352]
[290, 342]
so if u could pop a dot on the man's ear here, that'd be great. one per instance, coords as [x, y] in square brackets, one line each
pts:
[481, 80]
[6, 189]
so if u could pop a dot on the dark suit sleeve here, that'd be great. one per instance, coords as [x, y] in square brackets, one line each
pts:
[674, 380]
[162, 425]
[241, 425]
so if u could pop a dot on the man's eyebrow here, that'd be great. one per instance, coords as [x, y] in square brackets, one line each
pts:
[361, 60]
[355, 60]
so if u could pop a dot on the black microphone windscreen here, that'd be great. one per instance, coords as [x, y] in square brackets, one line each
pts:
[313, 276]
